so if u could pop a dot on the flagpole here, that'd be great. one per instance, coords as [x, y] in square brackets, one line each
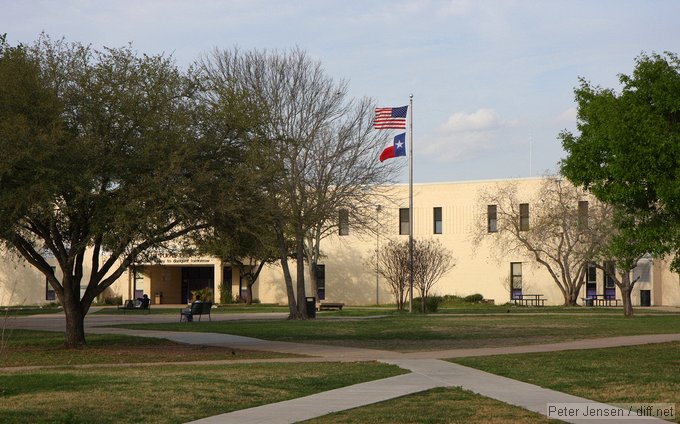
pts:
[410, 204]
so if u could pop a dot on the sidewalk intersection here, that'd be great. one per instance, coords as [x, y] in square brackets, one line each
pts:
[428, 371]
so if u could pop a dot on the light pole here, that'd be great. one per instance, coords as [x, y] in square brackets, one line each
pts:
[377, 251]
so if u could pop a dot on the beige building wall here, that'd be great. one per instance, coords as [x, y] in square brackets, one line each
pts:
[350, 269]
[349, 264]
[20, 283]
[669, 285]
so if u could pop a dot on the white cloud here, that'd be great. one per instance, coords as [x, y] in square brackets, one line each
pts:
[466, 135]
[481, 120]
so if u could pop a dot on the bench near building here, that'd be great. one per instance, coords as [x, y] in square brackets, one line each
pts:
[448, 212]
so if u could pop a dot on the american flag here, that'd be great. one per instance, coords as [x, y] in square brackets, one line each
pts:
[390, 118]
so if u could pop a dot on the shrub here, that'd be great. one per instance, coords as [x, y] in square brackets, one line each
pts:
[452, 300]
[205, 293]
[474, 298]
[225, 294]
[432, 303]
[113, 300]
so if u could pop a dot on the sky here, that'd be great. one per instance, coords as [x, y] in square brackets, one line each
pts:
[492, 80]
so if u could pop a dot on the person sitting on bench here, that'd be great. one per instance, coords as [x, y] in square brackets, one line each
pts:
[187, 311]
[144, 302]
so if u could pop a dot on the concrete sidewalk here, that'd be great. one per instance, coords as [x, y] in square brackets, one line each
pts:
[426, 374]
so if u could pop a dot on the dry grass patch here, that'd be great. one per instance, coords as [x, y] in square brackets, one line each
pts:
[39, 348]
[169, 394]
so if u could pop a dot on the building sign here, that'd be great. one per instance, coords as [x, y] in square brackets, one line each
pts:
[168, 259]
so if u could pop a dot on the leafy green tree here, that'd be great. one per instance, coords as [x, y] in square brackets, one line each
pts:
[627, 153]
[102, 164]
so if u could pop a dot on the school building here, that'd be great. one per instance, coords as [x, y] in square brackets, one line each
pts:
[448, 212]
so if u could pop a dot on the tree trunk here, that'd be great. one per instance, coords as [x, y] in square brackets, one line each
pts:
[573, 297]
[283, 250]
[300, 266]
[422, 304]
[75, 326]
[627, 303]
[313, 282]
[249, 292]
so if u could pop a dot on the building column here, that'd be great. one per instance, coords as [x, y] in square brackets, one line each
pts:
[218, 271]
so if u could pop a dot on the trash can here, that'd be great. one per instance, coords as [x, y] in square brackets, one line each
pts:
[158, 298]
[311, 307]
[589, 302]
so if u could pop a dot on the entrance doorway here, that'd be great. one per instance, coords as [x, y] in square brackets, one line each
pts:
[196, 278]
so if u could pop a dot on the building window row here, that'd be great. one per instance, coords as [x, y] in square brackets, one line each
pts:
[491, 220]
[492, 216]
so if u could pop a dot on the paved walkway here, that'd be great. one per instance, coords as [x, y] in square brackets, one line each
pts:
[427, 370]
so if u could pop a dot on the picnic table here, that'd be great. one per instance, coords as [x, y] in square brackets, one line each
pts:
[529, 299]
[600, 300]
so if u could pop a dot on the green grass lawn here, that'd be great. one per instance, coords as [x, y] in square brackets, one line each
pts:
[631, 374]
[440, 405]
[36, 348]
[431, 332]
[167, 394]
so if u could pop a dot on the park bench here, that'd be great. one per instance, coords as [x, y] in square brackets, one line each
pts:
[330, 306]
[134, 305]
[197, 309]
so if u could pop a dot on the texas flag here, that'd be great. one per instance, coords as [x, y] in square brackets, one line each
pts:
[397, 149]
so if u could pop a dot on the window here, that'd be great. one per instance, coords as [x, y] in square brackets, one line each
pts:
[49, 291]
[591, 281]
[343, 222]
[321, 281]
[491, 220]
[610, 269]
[582, 214]
[592, 274]
[523, 216]
[437, 220]
[609, 284]
[515, 279]
[403, 221]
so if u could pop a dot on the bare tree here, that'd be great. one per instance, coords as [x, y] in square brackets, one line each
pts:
[565, 231]
[392, 265]
[431, 260]
[342, 169]
[319, 141]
